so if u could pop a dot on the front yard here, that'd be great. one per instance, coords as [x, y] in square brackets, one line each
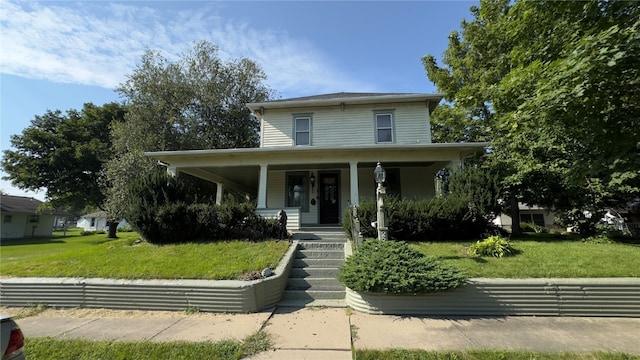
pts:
[95, 256]
[539, 256]
[543, 256]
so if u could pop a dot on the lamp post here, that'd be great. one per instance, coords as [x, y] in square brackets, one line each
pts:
[380, 176]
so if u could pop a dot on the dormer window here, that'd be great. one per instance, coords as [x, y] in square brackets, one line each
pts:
[302, 130]
[384, 127]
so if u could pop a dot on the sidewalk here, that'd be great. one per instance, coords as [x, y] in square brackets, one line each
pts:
[328, 333]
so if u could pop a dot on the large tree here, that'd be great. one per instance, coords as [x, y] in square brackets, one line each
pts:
[195, 102]
[65, 154]
[554, 86]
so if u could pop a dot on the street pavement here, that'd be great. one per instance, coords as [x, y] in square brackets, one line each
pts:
[329, 333]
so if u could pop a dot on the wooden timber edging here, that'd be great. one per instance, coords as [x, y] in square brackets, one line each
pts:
[587, 297]
[234, 296]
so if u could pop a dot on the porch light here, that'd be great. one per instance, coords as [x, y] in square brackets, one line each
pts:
[380, 174]
[312, 180]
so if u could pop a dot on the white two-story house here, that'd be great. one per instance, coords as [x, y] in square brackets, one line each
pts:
[317, 154]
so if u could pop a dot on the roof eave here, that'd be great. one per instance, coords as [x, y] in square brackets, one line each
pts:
[432, 99]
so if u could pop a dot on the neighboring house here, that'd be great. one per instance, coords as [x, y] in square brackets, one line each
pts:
[20, 218]
[317, 154]
[97, 221]
[529, 214]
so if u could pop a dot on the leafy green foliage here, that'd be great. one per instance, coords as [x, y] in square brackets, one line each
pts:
[395, 268]
[165, 210]
[196, 102]
[482, 189]
[554, 86]
[65, 154]
[495, 246]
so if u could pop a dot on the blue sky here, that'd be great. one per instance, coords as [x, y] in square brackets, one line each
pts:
[62, 54]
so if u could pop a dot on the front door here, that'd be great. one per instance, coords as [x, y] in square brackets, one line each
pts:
[329, 198]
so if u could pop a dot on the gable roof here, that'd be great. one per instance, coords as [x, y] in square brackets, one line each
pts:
[98, 214]
[19, 204]
[344, 98]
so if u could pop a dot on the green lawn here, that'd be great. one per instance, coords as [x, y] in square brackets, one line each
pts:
[123, 258]
[541, 256]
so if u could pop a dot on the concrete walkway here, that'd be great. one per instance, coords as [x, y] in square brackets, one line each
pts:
[328, 333]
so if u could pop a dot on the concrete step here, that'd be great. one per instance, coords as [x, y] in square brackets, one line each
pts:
[314, 272]
[314, 283]
[317, 263]
[320, 254]
[320, 245]
[311, 302]
[311, 295]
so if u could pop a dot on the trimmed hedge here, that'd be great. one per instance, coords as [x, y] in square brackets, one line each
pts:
[437, 219]
[165, 210]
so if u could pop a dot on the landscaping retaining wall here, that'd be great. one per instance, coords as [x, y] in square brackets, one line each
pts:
[603, 297]
[203, 295]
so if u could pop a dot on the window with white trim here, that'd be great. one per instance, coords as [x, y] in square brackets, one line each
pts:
[298, 190]
[384, 127]
[302, 130]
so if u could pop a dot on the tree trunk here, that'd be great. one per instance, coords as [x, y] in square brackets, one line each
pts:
[113, 229]
[515, 216]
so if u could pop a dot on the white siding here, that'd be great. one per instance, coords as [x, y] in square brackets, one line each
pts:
[276, 189]
[16, 228]
[417, 182]
[353, 125]
[21, 227]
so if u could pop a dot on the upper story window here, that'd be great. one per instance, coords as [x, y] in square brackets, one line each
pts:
[384, 127]
[302, 130]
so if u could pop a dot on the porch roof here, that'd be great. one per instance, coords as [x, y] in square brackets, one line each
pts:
[240, 168]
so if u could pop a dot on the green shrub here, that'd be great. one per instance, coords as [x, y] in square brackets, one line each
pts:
[393, 267]
[437, 219]
[495, 246]
[125, 229]
[165, 210]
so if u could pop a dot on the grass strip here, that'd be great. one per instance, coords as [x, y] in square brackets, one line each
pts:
[401, 354]
[75, 349]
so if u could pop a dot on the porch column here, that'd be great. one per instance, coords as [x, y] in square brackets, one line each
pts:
[219, 192]
[262, 187]
[353, 178]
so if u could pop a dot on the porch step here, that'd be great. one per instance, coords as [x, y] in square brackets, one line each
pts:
[318, 253]
[317, 263]
[301, 273]
[313, 280]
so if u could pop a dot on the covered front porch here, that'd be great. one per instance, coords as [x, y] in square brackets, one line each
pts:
[315, 185]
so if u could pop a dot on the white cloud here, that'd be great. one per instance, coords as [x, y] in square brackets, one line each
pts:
[98, 43]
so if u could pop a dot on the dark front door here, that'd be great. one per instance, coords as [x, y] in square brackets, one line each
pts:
[329, 201]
